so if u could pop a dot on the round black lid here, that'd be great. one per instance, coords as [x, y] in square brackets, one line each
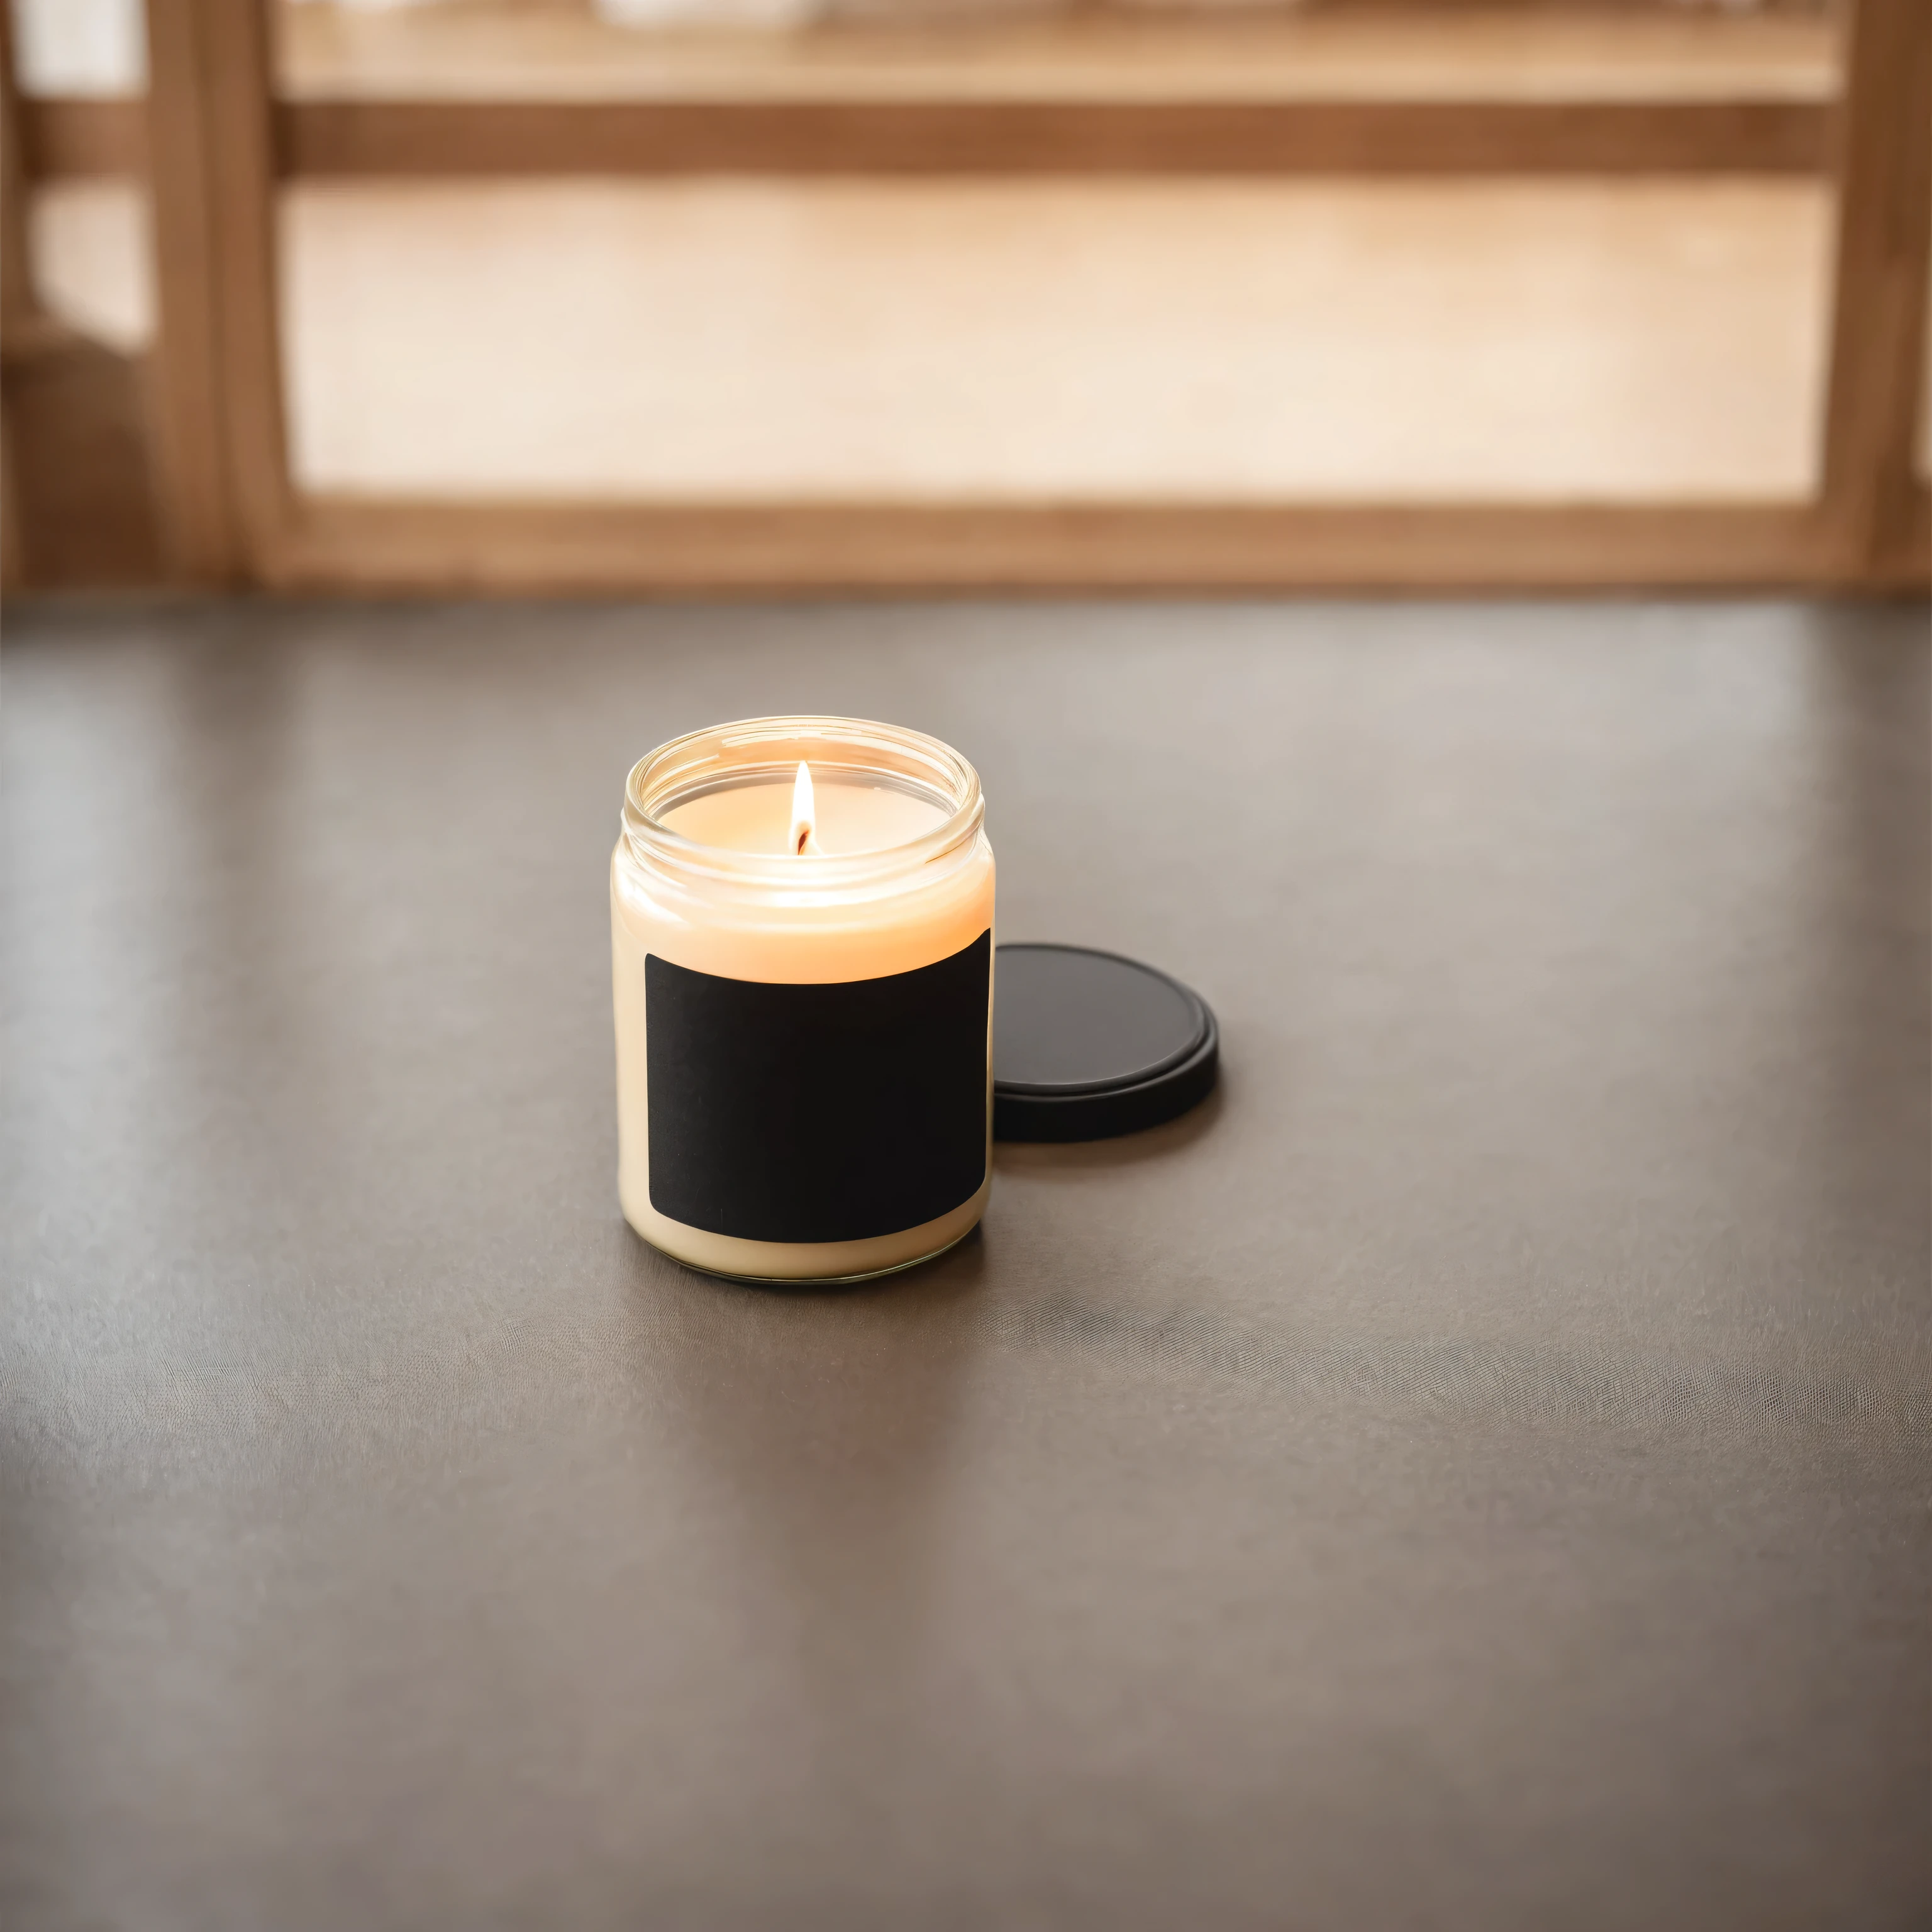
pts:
[1087, 1045]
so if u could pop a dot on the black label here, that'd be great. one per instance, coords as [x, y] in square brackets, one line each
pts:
[827, 1112]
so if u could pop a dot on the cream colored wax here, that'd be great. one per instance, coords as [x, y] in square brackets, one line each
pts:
[847, 818]
[814, 932]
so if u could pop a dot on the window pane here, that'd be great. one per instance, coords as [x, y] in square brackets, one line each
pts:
[566, 49]
[80, 46]
[1308, 338]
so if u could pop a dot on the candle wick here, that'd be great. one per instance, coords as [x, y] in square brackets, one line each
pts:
[804, 811]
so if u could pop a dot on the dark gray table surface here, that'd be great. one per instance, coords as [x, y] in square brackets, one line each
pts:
[1473, 1474]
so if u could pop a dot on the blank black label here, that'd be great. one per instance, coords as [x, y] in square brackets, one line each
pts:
[827, 1112]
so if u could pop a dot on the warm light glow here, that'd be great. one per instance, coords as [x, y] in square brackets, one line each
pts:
[804, 813]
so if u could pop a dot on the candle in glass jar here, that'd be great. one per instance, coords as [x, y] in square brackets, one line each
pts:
[802, 915]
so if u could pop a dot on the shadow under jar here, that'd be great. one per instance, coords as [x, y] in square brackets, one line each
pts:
[802, 949]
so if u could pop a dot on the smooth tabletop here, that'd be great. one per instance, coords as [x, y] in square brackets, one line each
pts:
[1471, 1474]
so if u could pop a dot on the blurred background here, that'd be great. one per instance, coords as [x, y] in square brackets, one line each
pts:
[623, 294]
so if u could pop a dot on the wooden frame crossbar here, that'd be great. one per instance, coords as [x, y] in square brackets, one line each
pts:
[215, 142]
[414, 139]
[1051, 137]
[372, 544]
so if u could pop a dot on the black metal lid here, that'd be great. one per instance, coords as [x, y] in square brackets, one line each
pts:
[1088, 1044]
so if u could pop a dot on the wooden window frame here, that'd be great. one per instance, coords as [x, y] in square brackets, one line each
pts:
[239, 519]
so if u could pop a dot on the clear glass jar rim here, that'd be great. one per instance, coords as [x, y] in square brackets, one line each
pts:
[654, 780]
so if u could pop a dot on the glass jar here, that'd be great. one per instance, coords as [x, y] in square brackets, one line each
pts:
[804, 1035]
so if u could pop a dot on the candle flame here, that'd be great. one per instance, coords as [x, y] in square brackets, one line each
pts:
[804, 813]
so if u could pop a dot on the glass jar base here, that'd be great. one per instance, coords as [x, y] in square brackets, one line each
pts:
[807, 1281]
[730, 1259]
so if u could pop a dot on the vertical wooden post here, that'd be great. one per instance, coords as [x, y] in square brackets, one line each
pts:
[20, 315]
[217, 361]
[204, 536]
[19, 310]
[1872, 497]
[240, 109]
